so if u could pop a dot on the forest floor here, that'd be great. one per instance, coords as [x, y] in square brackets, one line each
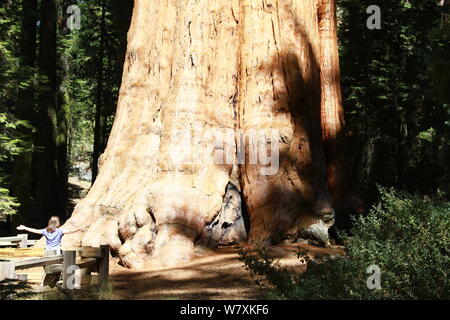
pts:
[217, 274]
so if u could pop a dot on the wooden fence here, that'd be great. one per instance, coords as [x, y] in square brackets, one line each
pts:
[19, 241]
[56, 267]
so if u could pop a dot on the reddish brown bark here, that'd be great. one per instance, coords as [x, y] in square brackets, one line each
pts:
[233, 66]
[332, 114]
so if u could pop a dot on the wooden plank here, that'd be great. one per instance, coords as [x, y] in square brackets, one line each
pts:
[14, 238]
[90, 252]
[32, 276]
[77, 249]
[86, 262]
[8, 244]
[85, 252]
[21, 252]
[54, 268]
[7, 252]
[103, 270]
[29, 263]
[12, 244]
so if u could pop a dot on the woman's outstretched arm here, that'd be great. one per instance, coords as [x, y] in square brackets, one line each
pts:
[71, 231]
[22, 227]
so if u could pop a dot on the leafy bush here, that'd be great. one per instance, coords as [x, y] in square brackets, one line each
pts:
[405, 236]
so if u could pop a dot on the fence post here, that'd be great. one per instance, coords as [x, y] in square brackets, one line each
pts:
[103, 270]
[69, 261]
[7, 270]
[24, 242]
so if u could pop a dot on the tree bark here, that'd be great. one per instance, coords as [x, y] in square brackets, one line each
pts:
[280, 78]
[220, 79]
[49, 196]
[22, 174]
[62, 124]
[124, 11]
[100, 103]
[345, 200]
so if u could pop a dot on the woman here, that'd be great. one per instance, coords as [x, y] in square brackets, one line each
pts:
[53, 234]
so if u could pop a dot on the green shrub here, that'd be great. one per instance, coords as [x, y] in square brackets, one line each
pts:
[405, 236]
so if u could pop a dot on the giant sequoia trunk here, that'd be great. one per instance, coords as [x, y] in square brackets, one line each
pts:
[218, 131]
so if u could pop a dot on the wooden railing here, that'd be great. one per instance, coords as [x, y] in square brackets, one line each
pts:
[19, 241]
[88, 259]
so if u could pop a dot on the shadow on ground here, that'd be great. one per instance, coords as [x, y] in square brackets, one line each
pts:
[218, 274]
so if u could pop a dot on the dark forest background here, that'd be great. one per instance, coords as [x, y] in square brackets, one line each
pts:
[59, 89]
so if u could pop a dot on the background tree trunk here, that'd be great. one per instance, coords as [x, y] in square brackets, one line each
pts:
[22, 173]
[50, 197]
[194, 66]
[345, 199]
[100, 101]
[62, 122]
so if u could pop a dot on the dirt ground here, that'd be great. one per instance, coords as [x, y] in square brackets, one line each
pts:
[218, 274]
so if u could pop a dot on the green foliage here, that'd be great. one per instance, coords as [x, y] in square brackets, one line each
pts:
[13, 77]
[407, 237]
[80, 65]
[82, 50]
[395, 90]
[8, 204]
[79, 92]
